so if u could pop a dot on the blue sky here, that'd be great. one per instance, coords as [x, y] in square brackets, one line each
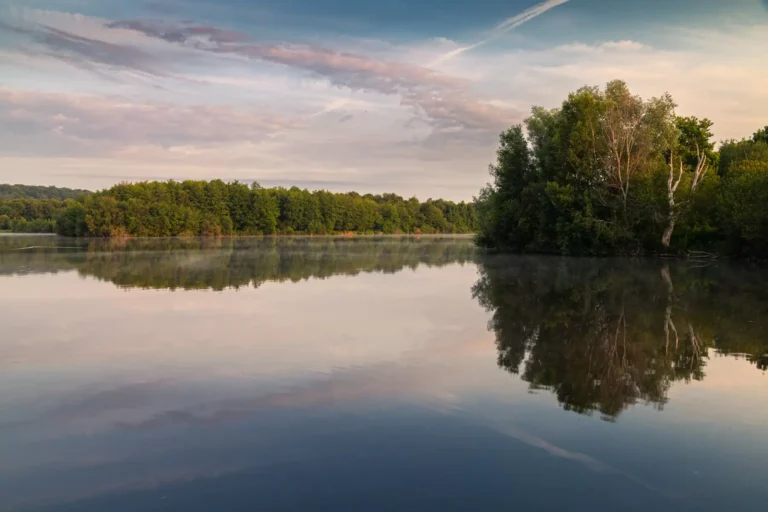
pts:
[392, 95]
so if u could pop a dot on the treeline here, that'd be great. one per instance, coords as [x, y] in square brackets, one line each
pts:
[38, 192]
[611, 173]
[201, 208]
[31, 215]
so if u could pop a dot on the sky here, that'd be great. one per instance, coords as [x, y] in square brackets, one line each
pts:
[386, 96]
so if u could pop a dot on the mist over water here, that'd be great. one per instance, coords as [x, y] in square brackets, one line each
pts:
[376, 373]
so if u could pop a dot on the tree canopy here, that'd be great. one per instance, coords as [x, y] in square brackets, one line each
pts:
[213, 208]
[30, 215]
[38, 192]
[611, 173]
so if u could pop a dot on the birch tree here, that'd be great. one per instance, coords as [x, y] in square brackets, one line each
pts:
[691, 155]
[634, 133]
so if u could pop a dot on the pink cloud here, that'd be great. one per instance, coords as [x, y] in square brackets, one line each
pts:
[443, 99]
[113, 122]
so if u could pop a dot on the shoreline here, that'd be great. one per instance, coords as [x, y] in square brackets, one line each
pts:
[202, 237]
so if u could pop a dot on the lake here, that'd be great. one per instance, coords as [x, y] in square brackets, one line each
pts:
[376, 373]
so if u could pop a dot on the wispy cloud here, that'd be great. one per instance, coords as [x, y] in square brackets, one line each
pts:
[502, 28]
[120, 50]
[73, 121]
[88, 101]
[82, 51]
[443, 99]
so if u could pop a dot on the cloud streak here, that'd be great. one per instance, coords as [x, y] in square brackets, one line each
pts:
[82, 51]
[121, 49]
[502, 28]
[445, 100]
[87, 101]
[80, 121]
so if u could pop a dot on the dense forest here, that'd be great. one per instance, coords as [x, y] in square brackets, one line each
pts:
[611, 173]
[31, 215]
[37, 192]
[34, 209]
[200, 208]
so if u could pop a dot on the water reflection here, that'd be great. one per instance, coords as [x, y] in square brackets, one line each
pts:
[605, 334]
[128, 382]
[219, 263]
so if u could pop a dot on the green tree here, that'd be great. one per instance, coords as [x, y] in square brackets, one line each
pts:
[693, 151]
[611, 173]
[72, 221]
[103, 217]
[194, 208]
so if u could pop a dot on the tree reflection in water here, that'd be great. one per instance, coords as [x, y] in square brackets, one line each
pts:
[605, 334]
[220, 263]
[602, 334]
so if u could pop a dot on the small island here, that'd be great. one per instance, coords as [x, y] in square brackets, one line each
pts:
[609, 173]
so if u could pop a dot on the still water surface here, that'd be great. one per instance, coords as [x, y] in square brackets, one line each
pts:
[376, 374]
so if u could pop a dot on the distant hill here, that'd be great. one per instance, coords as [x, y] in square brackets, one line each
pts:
[38, 192]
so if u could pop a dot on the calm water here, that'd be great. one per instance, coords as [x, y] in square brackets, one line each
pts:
[376, 374]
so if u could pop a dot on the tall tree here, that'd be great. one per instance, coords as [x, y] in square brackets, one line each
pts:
[693, 152]
[634, 131]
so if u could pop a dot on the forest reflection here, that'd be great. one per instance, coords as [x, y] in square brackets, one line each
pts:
[220, 263]
[603, 334]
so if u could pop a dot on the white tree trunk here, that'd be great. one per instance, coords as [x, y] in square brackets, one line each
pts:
[698, 175]
[672, 185]
[666, 239]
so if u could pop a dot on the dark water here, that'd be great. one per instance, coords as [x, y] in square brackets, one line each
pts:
[376, 374]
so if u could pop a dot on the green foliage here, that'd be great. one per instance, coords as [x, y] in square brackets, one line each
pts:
[695, 135]
[71, 222]
[733, 152]
[743, 207]
[199, 208]
[761, 135]
[35, 192]
[593, 178]
[30, 215]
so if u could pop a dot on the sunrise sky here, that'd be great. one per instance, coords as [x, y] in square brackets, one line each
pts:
[389, 95]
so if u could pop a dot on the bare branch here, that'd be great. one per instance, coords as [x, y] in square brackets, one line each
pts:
[679, 177]
[701, 170]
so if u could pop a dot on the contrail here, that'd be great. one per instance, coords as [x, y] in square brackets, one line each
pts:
[502, 28]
